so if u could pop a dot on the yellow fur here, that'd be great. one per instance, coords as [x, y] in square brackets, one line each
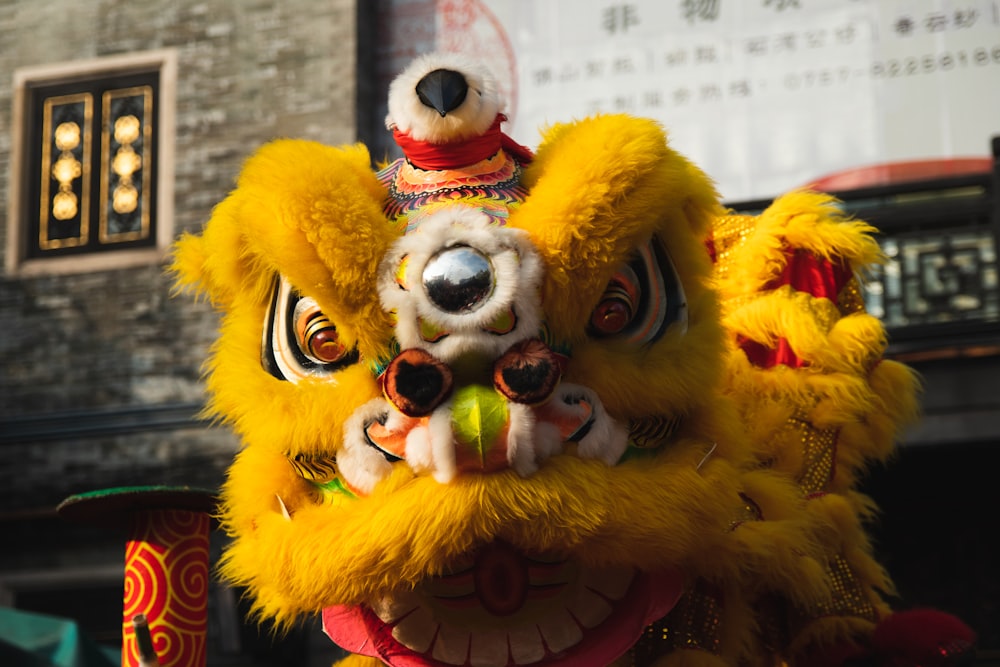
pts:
[844, 391]
[722, 501]
[359, 661]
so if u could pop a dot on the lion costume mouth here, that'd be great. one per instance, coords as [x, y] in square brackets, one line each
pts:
[501, 607]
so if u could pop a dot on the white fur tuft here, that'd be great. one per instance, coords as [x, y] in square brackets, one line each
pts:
[521, 452]
[517, 269]
[607, 439]
[472, 118]
[362, 465]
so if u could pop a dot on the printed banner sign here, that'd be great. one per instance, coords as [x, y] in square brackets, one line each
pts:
[765, 95]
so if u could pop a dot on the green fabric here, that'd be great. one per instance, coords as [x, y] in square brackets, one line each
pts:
[478, 416]
[34, 640]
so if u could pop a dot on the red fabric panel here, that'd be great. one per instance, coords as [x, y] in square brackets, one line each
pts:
[766, 357]
[456, 154]
[804, 272]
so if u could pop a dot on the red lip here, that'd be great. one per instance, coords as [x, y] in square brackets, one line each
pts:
[504, 609]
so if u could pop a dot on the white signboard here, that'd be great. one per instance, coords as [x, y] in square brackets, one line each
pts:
[765, 95]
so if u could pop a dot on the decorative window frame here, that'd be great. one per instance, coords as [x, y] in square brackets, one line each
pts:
[163, 61]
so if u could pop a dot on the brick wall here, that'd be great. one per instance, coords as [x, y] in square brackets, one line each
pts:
[102, 342]
[100, 371]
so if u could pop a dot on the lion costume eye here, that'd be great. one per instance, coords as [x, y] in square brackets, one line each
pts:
[642, 299]
[315, 334]
[299, 340]
[618, 305]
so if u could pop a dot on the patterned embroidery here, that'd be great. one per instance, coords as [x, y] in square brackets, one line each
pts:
[314, 470]
[493, 185]
[654, 431]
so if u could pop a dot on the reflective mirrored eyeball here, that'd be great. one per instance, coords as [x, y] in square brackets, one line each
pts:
[459, 279]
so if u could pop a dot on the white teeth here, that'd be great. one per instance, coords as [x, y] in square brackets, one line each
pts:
[416, 630]
[526, 645]
[489, 649]
[520, 449]
[430, 448]
[418, 449]
[560, 631]
[451, 645]
[612, 584]
[586, 601]
[589, 608]
[391, 609]
[442, 444]
[548, 440]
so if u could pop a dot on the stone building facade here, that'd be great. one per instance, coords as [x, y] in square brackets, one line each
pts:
[99, 360]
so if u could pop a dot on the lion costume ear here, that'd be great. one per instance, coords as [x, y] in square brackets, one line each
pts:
[213, 264]
[306, 211]
[600, 188]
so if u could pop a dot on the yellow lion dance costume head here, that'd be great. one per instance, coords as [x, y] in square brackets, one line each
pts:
[554, 410]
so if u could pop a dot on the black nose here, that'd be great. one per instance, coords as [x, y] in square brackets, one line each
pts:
[443, 90]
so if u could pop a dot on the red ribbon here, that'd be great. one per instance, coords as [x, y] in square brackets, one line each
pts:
[461, 153]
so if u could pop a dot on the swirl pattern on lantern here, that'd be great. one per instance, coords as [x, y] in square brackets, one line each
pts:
[166, 579]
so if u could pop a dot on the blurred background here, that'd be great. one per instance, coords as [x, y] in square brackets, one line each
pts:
[122, 124]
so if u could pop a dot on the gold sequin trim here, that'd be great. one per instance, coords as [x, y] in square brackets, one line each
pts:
[654, 643]
[819, 454]
[851, 299]
[728, 233]
[693, 624]
[847, 595]
[696, 620]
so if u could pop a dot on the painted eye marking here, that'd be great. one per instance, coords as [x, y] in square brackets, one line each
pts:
[643, 299]
[299, 341]
[431, 333]
[503, 324]
[400, 274]
[315, 334]
[618, 305]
